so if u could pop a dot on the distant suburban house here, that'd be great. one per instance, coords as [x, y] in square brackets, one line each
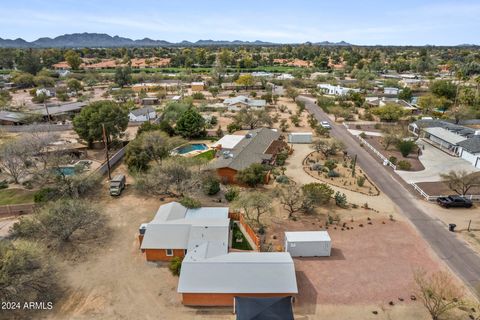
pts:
[335, 90]
[235, 86]
[210, 274]
[257, 146]
[143, 114]
[197, 86]
[149, 101]
[242, 102]
[456, 140]
[391, 91]
[60, 110]
[11, 118]
[262, 74]
[285, 76]
[49, 92]
[380, 102]
[146, 87]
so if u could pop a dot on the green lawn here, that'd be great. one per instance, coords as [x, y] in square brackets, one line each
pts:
[16, 196]
[244, 245]
[209, 155]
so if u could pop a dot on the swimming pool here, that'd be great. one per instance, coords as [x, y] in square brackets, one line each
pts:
[191, 147]
[66, 171]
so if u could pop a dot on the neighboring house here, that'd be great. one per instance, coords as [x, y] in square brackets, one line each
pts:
[258, 146]
[176, 229]
[456, 140]
[49, 92]
[335, 90]
[391, 91]
[197, 86]
[62, 110]
[235, 86]
[146, 87]
[11, 118]
[242, 102]
[143, 114]
[210, 274]
[381, 102]
[285, 76]
[262, 74]
[149, 101]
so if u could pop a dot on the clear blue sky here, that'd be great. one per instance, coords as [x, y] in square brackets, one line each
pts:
[367, 22]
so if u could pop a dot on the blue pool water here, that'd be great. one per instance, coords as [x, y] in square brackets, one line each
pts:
[191, 147]
[67, 171]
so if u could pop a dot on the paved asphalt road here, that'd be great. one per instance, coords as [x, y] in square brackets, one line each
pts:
[461, 259]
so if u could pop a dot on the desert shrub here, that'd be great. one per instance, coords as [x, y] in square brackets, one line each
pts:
[316, 167]
[175, 266]
[361, 181]
[45, 194]
[405, 147]
[404, 165]
[281, 157]
[198, 96]
[211, 186]
[282, 179]
[190, 203]
[231, 194]
[377, 126]
[333, 174]
[3, 184]
[358, 127]
[340, 199]
[330, 164]
[363, 135]
[393, 159]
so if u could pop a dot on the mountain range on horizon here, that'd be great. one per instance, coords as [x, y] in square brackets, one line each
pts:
[102, 40]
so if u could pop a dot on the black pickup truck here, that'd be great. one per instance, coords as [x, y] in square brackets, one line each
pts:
[454, 202]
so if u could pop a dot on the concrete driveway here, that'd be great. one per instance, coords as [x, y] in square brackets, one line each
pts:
[435, 162]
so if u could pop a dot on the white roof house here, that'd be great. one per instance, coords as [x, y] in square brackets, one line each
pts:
[177, 227]
[237, 272]
[236, 103]
[228, 141]
[335, 90]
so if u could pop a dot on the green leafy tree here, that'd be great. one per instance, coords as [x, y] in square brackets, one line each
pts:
[254, 204]
[88, 124]
[123, 76]
[316, 194]
[190, 124]
[444, 88]
[74, 85]
[406, 147]
[73, 59]
[390, 112]
[29, 61]
[252, 175]
[406, 94]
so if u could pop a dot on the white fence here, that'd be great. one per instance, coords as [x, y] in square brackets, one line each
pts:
[381, 156]
[472, 197]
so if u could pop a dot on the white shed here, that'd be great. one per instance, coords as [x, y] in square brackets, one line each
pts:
[308, 243]
[300, 137]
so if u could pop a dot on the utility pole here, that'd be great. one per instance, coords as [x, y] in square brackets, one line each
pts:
[48, 113]
[106, 151]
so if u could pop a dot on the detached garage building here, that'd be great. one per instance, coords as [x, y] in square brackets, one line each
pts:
[308, 243]
[300, 137]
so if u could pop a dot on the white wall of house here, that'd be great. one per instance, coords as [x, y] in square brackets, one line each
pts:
[151, 116]
[474, 159]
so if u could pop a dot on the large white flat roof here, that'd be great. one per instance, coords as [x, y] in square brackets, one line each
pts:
[445, 135]
[229, 141]
[307, 236]
[239, 272]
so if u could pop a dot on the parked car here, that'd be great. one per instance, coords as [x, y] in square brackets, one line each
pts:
[454, 202]
[117, 184]
[326, 125]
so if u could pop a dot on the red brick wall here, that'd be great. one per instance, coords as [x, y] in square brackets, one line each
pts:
[250, 231]
[222, 299]
[161, 254]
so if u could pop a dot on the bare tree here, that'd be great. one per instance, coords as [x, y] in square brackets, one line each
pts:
[461, 181]
[59, 221]
[328, 147]
[291, 198]
[15, 157]
[438, 292]
[254, 204]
